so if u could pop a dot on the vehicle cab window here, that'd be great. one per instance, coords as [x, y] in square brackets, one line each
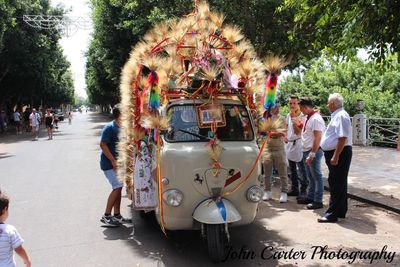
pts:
[185, 127]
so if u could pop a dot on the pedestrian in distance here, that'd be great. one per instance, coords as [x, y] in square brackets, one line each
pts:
[34, 123]
[313, 129]
[56, 120]
[49, 122]
[294, 148]
[17, 121]
[337, 146]
[3, 122]
[108, 163]
[26, 115]
[69, 118]
[10, 239]
[274, 155]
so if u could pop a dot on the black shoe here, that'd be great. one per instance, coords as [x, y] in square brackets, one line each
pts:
[315, 205]
[293, 192]
[303, 190]
[327, 220]
[304, 201]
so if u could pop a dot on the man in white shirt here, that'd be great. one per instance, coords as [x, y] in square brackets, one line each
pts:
[312, 132]
[336, 144]
[294, 148]
[34, 122]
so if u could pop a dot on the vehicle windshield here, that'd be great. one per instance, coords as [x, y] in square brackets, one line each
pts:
[185, 126]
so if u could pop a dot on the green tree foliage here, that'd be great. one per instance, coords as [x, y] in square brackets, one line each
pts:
[120, 24]
[33, 69]
[377, 85]
[341, 26]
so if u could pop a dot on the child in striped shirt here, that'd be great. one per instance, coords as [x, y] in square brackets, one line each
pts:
[9, 238]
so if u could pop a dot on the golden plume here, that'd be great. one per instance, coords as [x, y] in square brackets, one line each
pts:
[155, 122]
[152, 63]
[274, 63]
[171, 50]
[162, 29]
[203, 10]
[217, 19]
[246, 68]
[232, 33]
[270, 125]
[137, 134]
[171, 67]
[210, 73]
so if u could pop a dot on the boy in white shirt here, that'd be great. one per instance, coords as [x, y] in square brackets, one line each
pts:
[9, 238]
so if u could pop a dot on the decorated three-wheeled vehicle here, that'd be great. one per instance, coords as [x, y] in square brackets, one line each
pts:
[190, 91]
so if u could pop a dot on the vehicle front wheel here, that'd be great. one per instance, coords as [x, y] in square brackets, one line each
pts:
[217, 242]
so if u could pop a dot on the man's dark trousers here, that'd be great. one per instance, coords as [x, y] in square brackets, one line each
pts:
[337, 180]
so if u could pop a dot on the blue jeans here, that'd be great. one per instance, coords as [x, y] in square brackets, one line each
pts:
[294, 176]
[314, 174]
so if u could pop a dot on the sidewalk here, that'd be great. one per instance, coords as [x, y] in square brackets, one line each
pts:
[374, 176]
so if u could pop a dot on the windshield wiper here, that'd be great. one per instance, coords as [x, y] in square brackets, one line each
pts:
[195, 134]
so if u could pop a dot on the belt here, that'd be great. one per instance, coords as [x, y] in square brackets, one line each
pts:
[294, 141]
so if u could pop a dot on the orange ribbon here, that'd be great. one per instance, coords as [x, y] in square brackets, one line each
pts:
[251, 171]
[160, 187]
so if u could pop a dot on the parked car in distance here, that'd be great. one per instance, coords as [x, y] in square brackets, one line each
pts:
[59, 114]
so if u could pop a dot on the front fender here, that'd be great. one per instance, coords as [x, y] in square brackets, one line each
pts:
[220, 211]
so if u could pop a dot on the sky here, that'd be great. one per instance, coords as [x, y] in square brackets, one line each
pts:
[77, 43]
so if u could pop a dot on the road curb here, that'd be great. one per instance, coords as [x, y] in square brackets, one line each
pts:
[372, 198]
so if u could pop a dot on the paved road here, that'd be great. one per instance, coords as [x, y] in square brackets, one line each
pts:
[58, 195]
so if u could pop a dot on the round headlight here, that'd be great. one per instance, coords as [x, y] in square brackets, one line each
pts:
[173, 197]
[254, 193]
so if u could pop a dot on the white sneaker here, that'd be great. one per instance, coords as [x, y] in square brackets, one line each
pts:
[267, 195]
[283, 198]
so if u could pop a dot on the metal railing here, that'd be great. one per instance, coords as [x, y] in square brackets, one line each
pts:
[380, 131]
[383, 131]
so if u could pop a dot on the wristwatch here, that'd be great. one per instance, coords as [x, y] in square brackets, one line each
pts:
[311, 154]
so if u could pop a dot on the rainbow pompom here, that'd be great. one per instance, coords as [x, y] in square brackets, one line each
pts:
[271, 87]
[152, 81]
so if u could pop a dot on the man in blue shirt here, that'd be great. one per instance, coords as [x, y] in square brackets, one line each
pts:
[108, 163]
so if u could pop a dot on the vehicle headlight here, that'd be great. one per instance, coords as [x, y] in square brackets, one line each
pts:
[173, 197]
[254, 193]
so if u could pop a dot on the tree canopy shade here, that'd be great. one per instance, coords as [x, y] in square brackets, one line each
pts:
[120, 24]
[33, 69]
[342, 26]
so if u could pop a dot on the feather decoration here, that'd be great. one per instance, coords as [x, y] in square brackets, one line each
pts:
[155, 122]
[273, 64]
[215, 148]
[269, 125]
[269, 96]
[154, 99]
